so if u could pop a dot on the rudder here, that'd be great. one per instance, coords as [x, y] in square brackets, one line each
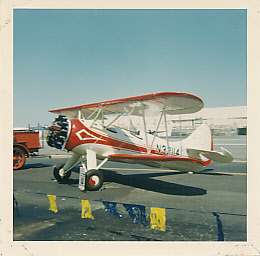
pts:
[201, 139]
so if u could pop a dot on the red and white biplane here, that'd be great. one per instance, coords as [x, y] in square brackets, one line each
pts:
[90, 133]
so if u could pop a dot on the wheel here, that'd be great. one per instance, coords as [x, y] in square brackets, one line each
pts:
[58, 177]
[18, 158]
[94, 180]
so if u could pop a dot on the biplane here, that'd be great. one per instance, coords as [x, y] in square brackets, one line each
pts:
[90, 133]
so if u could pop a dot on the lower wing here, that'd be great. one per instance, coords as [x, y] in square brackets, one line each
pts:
[146, 158]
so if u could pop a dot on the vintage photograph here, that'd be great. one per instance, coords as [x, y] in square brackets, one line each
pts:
[130, 125]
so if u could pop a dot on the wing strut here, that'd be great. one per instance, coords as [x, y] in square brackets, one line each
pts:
[166, 129]
[145, 131]
[92, 114]
[157, 127]
[79, 114]
[96, 117]
[115, 119]
[102, 115]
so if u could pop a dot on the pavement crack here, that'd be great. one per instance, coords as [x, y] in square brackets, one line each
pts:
[120, 233]
[143, 238]
[29, 229]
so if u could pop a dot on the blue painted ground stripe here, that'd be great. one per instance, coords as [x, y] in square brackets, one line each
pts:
[219, 227]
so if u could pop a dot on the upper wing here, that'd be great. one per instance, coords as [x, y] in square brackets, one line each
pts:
[172, 102]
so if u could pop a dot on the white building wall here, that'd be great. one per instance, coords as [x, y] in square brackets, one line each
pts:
[220, 116]
[217, 118]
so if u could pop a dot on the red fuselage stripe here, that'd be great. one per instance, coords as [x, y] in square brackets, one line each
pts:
[163, 158]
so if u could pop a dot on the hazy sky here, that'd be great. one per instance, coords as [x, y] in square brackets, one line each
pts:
[70, 57]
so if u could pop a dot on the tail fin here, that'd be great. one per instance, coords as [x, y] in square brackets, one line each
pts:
[201, 139]
[199, 144]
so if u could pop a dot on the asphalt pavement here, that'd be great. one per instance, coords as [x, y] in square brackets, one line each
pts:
[206, 206]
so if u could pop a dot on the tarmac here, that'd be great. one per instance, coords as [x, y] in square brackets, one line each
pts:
[136, 203]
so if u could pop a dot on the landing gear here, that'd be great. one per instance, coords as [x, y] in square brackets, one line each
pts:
[60, 175]
[63, 172]
[90, 176]
[94, 180]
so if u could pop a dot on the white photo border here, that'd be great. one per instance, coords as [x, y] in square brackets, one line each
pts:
[10, 247]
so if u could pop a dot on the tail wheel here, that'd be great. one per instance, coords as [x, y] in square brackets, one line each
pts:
[94, 180]
[57, 175]
[18, 158]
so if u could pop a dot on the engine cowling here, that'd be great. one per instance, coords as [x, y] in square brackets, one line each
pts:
[58, 132]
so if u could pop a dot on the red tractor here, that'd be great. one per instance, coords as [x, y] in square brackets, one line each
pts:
[25, 143]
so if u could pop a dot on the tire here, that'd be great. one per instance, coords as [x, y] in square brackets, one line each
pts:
[19, 158]
[94, 180]
[60, 179]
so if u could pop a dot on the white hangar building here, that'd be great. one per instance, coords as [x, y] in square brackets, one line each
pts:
[222, 120]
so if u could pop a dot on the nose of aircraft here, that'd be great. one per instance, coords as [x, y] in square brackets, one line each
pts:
[58, 132]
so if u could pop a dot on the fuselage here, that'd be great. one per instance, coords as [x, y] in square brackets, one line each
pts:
[79, 135]
[110, 140]
[82, 135]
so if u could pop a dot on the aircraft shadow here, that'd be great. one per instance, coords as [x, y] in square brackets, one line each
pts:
[72, 181]
[208, 172]
[215, 174]
[145, 181]
[36, 165]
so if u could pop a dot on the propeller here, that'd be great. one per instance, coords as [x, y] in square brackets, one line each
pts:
[58, 132]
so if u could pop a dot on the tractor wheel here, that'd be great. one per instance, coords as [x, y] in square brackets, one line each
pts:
[18, 158]
[94, 180]
[61, 179]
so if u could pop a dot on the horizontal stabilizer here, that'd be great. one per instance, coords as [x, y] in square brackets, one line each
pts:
[223, 156]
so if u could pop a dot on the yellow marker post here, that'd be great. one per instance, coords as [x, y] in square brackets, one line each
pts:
[86, 212]
[53, 205]
[158, 218]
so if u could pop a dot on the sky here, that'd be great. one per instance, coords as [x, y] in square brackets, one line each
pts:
[69, 57]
